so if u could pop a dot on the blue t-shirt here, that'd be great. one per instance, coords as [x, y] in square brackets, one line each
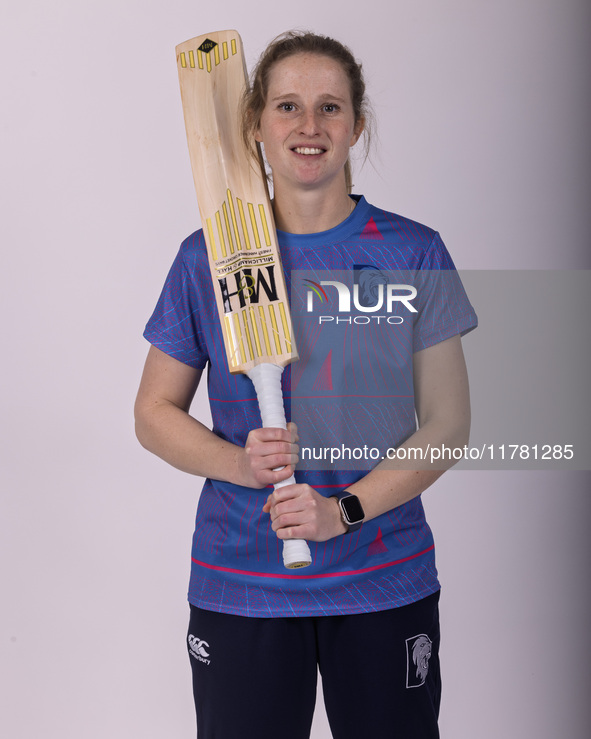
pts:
[354, 373]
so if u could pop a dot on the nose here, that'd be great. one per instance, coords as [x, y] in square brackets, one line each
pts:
[309, 123]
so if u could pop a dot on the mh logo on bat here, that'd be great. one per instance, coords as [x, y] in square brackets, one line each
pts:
[246, 287]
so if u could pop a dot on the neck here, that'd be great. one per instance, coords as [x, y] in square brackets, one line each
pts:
[307, 212]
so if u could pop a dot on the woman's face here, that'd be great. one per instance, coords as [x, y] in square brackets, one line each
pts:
[308, 124]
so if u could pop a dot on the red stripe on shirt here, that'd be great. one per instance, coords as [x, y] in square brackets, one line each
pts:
[286, 576]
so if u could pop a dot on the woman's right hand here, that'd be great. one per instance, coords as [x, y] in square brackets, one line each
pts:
[164, 426]
[270, 456]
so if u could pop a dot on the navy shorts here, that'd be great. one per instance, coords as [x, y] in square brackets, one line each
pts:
[256, 677]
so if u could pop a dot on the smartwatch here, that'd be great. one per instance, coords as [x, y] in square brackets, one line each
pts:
[352, 511]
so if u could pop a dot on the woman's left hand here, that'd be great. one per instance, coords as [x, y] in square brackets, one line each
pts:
[299, 512]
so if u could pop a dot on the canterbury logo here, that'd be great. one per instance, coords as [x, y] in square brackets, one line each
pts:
[198, 648]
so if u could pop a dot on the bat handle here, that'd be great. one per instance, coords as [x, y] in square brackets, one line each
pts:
[266, 379]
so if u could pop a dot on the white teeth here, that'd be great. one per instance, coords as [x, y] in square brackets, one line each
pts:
[306, 150]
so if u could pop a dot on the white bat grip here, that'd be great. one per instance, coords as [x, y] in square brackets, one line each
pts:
[266, 379]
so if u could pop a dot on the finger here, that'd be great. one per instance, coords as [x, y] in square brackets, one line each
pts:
[293, 429]
[267, 477]
[287, 492]
[299, 506]
[296, 529]
[293, 532]
[273, 454]
[286, 521]
[270, 433]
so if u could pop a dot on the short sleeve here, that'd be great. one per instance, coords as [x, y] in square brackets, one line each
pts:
[444, 308]
[175, 326]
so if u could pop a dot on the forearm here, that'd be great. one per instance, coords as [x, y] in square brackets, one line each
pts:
[179, 439]
[442, 404]
[299, 511]
[400, 479]
[443, 409]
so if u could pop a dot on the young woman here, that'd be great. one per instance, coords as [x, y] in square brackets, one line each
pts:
[365, 612]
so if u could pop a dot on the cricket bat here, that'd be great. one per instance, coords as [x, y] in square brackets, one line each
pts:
[239, 229]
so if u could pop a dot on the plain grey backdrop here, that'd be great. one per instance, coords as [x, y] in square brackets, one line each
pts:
[483, 121]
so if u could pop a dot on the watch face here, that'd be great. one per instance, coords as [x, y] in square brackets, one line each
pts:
[352, 509]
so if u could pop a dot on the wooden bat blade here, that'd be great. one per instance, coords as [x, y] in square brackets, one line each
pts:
[234, 205]
[239, 229]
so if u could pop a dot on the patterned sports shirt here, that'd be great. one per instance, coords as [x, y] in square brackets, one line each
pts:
[351, 388]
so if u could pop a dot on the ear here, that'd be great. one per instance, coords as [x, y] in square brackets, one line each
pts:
[357, 131]
[248, 125]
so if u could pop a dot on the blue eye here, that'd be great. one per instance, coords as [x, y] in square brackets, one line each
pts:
[287, 107]
[330, 108]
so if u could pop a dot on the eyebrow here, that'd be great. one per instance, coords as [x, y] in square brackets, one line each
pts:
[325, 95]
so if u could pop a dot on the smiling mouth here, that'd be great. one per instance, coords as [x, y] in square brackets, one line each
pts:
[307, 151]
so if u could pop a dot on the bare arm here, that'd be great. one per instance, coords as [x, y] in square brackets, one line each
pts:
[164, 427]
[442, 402]
[443, 410]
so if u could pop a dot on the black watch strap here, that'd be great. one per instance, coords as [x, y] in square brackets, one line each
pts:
[352, 511]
